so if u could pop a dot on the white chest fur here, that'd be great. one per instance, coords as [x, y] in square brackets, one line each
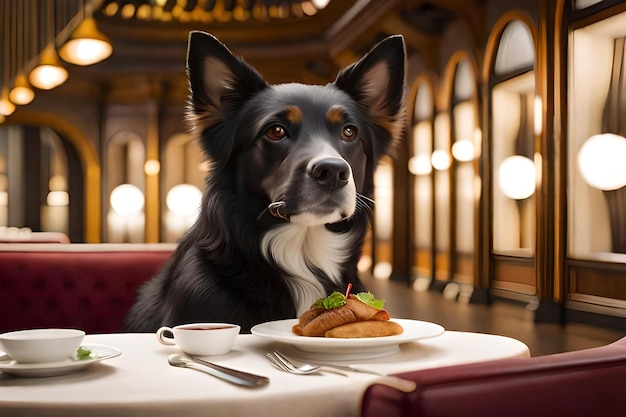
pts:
[297, 249]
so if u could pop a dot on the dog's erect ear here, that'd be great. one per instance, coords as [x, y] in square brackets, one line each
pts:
[376, 82]
[218, 80]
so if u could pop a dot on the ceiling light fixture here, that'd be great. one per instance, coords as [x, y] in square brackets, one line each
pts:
[49, 73]
[6, 107]
[320, 4]
[87, 45]
[21, 93]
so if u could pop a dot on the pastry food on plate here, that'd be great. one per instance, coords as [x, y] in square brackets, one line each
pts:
[354, 316]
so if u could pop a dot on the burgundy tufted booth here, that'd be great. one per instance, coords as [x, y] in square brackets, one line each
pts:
[85, 286]
[584, 383]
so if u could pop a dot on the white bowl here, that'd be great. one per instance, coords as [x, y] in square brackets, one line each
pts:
[201, 339]
[41, 345]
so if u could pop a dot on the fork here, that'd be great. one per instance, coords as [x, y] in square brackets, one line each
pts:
[284, 364]
[278, 364]
[348, 368]
[281, 362]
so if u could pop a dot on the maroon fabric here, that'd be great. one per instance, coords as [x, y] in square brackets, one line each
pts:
[576, 384]
[91, 291]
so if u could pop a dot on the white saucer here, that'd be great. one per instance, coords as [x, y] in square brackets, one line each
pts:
[68, 366]
[322, 348]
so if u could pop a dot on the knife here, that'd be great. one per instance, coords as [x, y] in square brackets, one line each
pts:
[228, 374]
[234, 375]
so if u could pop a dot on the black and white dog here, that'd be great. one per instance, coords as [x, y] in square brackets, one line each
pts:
[287, 199]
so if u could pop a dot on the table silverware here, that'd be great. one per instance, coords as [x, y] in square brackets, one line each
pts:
[283, 364]
[227, 374]
[347, 368]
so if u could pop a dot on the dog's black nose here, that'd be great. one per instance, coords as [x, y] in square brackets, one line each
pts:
[330, 173]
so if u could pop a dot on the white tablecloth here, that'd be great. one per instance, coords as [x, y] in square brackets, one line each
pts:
[140, 382]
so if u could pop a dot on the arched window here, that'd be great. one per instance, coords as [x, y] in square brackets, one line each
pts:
[465, 148]
[512, 144]
[184, 171]
[420, 168]
[125, 188]
[514, 126]
[41, 182]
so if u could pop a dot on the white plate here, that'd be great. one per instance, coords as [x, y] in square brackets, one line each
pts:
[322, 348]
[68, 366]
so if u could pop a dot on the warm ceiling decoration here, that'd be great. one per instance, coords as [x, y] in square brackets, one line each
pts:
[286, 40]
[206, 11]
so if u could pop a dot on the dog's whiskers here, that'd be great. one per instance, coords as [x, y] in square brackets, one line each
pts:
[363, 202]
[363, 205]
[368, 201]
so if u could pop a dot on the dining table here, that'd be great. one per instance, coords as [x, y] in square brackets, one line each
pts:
[138, 381]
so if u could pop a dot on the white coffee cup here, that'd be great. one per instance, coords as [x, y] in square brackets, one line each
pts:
[200, 339]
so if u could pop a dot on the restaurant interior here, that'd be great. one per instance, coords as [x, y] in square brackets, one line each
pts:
[508, 188]
[497, 240]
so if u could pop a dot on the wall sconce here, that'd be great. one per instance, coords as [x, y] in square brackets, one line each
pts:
[601, 161]
[57, 198]
[49, 73]
[152, 167]
[183, 202]
[420, 165]
[441, 160]
[517, 177]
[383, 270]
[184, 199]
[87, 45]
[127, 199]
[126, 220]
[463, 150]
[21, 93]
[58, 195]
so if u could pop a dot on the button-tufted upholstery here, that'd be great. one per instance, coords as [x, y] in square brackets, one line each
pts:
[583, 383]
[85, 286]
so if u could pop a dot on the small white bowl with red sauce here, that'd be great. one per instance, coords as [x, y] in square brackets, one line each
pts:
[200, 339]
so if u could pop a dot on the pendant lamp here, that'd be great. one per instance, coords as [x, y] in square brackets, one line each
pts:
[87, 45]
[6, 107]
[49, 73]
[21, 93]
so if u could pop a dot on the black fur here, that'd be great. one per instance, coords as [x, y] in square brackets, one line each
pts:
[275, 144]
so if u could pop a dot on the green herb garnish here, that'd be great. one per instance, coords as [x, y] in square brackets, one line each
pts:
[369, 299]
[336, 299]
[83, 353]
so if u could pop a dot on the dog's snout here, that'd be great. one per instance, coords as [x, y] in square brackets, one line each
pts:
[331, 173]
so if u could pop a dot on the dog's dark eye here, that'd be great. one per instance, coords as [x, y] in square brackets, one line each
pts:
[276, 133]
[349, 133]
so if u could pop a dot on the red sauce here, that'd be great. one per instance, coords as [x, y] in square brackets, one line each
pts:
[207, 328]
